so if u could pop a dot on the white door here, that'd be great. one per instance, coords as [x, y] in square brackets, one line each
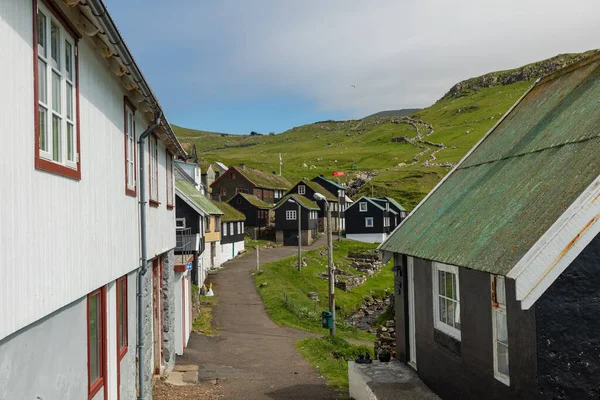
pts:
[411, 313]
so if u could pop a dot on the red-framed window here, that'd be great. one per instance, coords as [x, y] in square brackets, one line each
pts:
[153, 170]
[122, 328]
[96, 338]
[56, 94]
[170, 179]
[223, 191]
[130, 152]
[232, 175]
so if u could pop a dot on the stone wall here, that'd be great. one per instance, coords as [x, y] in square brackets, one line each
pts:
[386, 338]
[347, 283]
[147, 339]
[367, 263]
[168, 285]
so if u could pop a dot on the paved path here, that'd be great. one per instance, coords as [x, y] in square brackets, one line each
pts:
[252, 357]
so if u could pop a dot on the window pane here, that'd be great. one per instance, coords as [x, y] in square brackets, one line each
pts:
[441, 283]
[94, 339]
[502, 351]
[69, 60]
[451, 308]
[56, 139]
[70, 143]
[56, 92]
[69, 101]
[122, 317]
[41, 33]
[457, 315]
[42, 82]
[501, 328]
[442, 306]
[55, 43]
[43, 119]
[500, 291]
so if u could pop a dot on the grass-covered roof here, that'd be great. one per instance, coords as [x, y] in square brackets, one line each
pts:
[229, 213]
[255, 201]
[188, 190]
[319, 189]
[263, 179]
[304, 202]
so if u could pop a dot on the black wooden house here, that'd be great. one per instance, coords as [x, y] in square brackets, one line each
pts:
[255, 210]
[372, 219]
[286, 220]
[308, 189]
[339, 192]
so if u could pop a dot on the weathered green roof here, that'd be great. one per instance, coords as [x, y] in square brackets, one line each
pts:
[502, 198]
[190, 191]
[319, 189]
[375, 201]
[255, 201]
[263, 179]
[229, 213]
[395, 203]
[304, 202]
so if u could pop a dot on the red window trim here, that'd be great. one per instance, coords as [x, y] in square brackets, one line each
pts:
[223, 192]
[121, 351]
[39, 162]
[128, 103]
[153, 202]
[169, 174]
[94, 387]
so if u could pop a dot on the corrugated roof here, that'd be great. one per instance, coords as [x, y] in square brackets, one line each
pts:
[375, 201]
[395, 203]
[229, 213]
[508, 192]
[319, 189]
[304, 202]
[255, 201]
[190, 191]
[263, 179]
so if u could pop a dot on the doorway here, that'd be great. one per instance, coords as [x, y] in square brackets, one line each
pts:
[411, 313]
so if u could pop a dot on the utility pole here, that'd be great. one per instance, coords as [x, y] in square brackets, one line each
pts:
[331, 270]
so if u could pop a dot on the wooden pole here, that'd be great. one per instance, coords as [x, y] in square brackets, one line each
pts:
[299, 239]
[257, 258]
[331, 270]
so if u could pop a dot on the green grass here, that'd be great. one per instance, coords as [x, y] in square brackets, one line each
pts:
[330, 356]
[284, 281]
[253, 243]
[203, 322]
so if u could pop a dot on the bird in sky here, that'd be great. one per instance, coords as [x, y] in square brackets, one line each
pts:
[353, 86]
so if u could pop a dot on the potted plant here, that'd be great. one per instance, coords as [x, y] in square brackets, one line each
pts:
[384, 355]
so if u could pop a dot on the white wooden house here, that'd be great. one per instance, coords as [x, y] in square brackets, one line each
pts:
[74, 105]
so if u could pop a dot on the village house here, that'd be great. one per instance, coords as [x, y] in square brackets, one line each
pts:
[242, 179]
[498, 268]
[192, 170]
[308, 189]
[339, 192]
[371, 219]
[257, 212]
[232, 231]
[88, 207]
[286, 220]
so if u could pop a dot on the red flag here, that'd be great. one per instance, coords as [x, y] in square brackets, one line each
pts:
[338, 173]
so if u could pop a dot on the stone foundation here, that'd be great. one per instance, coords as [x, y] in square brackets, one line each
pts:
[168, 291]
[386, 338]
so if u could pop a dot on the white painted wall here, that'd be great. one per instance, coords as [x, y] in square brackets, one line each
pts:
[367, 237]
[231, 250]
[66, 233]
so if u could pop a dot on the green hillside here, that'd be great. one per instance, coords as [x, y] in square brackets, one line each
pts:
[426, 144]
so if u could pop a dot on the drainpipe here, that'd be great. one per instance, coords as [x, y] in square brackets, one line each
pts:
[144, 256]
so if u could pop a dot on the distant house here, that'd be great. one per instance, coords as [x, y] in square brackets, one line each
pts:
[242, 179]
[255, 210]
[190, 171]
[219, 168]
[339, 192]
[232, 231]
[498, 269]
[286, 220]
[372, 219]
[308, 189]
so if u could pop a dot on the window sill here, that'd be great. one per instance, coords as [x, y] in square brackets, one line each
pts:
[170, 206]
[95, 387]
[131, 192]
[122, 353]
[58, 169]
[154, 203]
[444, 340]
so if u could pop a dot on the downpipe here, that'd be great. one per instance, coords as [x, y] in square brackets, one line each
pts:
[144, 251]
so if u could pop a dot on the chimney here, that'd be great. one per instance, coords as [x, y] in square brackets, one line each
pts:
[243, 166]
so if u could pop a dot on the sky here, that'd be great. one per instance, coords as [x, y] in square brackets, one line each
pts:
[237, 66]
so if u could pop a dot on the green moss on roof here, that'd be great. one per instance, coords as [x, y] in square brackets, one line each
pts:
[190, 192]
[319, 189]
[263, 179]
[255, 201]
[229, 213]
[304, 202]
[514, 186]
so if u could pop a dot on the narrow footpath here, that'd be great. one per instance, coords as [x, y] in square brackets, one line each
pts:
[252, 357]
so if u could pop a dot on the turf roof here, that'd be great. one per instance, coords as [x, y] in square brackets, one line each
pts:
[522, 177]
[263, 179]
[229, 213]
[255, 201]
[319, 189]
[201, 201]
[304, 202]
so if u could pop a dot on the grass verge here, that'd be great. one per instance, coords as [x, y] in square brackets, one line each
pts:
[253, 243]
[203, 322]
[330, 356]
[284, 290]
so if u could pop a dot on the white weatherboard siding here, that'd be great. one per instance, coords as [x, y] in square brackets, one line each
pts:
[66, 233]
[226, 252]
[367, 237]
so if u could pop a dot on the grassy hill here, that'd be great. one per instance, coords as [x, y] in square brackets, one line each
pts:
[395, 113]
[426, 145]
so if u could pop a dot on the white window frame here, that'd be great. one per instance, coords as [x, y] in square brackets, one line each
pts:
[498, 285]
[67, 115]
[231, 229]
[369, 222]
[242, 230]
[153, 166]
[301, 189]
[386, 221]
[170, 180]
[276, 193]
[438, 324]
[290, 215]
[180, 223]
[361, 208]
[224, 230]
[130, 143]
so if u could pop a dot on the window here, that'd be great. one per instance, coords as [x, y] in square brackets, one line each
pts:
[290, 215]
[239, 227]
[217, 224]
[276, 194]
[231, 228]
[96, 330]
[301, 189]
[386, 221]
[369, 222]
[242, 229]
[207, 223]
[153, 167]
[130, 162]
[57, 126]
[170, 178]
[239, 200]
[446, 299]
[122, 317]
[362, 206]
[232, 175]
[225, 229]
[180, 223]
[500, 330]
[223, 191]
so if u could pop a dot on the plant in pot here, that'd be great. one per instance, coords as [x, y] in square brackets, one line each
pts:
[384, 355]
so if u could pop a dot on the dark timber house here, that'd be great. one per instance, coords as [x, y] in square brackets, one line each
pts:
[232, 231]
[498, 268]
[308, 189]
[339, 192]
[242, 179]
[286, 220]
[371, 219]
[255, 210]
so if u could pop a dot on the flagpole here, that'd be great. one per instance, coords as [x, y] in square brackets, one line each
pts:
[280, 164]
